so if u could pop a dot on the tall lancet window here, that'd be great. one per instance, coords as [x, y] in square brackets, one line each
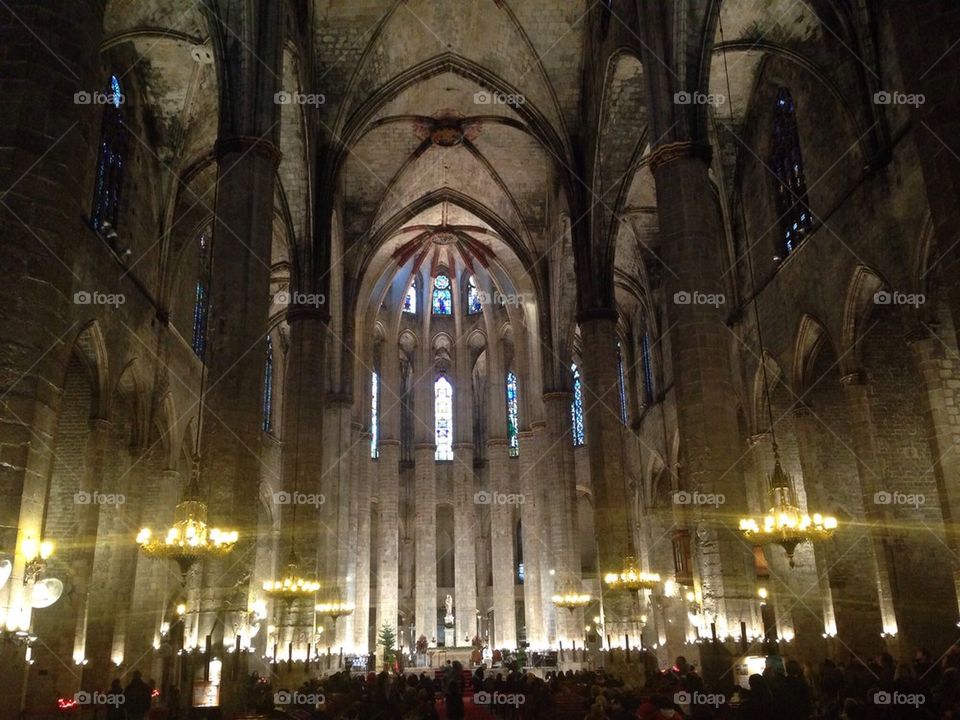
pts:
[374, 415]
[474, 299]
[791, 183]
[113, 145]
[443, 418]
[647, 369]
[622, 384]
[576, 407]
[513, 416]
[201, 299]
[442, 296]
[268, 387]
[410, 299]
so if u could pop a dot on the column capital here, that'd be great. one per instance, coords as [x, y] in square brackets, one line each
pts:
[801, 409]
[97, 424]
[856, 377]
[537, 425]
[339, 398]
[497, 442]
[243, 144]
[425, 446]
[758, 438]
[669, 152]
[599, 313]
[388, 442]
[463, 446]
[555, 395]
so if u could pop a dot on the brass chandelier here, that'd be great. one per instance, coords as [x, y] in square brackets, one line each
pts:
[292, 585]
[631, 577]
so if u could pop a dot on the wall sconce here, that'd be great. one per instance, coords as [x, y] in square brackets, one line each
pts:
[36, 553]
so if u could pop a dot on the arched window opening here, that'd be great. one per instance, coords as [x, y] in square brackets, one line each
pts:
[474, 304]
[109, 179]
[576, 408]
[443, 418]
[791, 183]
[647, 369]
[201, 298]
[622, 384]
[268, 387]
[513, 421]
[518, 552]
[374, 415]
[410, 299]
[442, 296]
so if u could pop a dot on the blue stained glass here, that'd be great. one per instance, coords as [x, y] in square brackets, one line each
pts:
[374, 416]
[576, 407]
[791, 184]
[623, 385]
[109, 177]
[647, 369]
[201, 302]
[474, 304]
[513, 421]
[268, 387]
[443, 418]
[442, 297]
[410, 299]
[116, 96]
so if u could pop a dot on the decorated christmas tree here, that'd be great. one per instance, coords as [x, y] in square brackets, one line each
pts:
[387, 639]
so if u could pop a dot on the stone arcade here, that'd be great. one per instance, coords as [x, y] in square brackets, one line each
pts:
[454, 306]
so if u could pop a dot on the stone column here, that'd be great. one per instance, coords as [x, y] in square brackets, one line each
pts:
[388, 544]
[426, 541]
[335, 524]
[501, 544]
[465, 539]
[693, 251]
[534, 533]
[363, 467]
[562, 553]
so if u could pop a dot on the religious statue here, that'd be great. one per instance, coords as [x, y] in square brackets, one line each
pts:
[449, 603]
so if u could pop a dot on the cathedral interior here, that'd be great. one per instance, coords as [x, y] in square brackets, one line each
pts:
[574, 327]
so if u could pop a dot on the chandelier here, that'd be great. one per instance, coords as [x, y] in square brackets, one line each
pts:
[188, 539]
[572, 599]
[292, 585]
[631, 577]
[784, 523]
[334, 608]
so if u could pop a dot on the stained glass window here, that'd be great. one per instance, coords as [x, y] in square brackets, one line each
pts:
[513, 421]
[474, 304]
[201, 300]
[623, 385]
[374, 415]
[410, 299]
[268, 387]
[576, 407]
[443, 418]
[113, 142]
[647, 368]
[787, 164]
[442, 297]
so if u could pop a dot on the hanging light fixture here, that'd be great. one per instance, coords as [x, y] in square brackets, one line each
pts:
[291, 585]
[784, 524]
[334, 607]
[571, 598]
[631, 577]
[189, 539]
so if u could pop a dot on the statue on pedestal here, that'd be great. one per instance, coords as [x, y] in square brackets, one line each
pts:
[448, 618]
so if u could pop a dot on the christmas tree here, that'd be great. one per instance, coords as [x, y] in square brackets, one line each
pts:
[387, 638]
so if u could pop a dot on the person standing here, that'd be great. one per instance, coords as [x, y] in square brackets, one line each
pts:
[137, 697]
